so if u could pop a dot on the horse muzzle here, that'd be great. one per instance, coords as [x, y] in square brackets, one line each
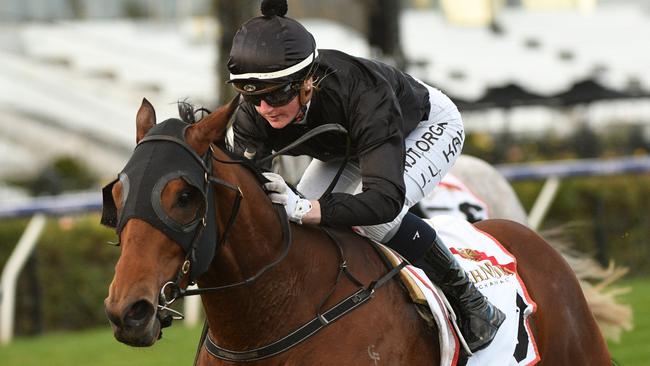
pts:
[135, 324]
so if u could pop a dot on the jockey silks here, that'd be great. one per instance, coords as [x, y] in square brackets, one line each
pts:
[378, 105]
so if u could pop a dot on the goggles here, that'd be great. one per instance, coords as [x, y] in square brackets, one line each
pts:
[274, 95]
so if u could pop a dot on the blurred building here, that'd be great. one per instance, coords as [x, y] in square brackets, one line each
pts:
[470, 12]
[584, 5]
[30, 10]
[81, 80]
[485, 12]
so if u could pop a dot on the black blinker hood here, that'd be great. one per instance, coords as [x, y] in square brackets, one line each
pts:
[163, 155]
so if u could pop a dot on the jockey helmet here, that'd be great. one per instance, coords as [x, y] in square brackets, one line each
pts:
[270, 51]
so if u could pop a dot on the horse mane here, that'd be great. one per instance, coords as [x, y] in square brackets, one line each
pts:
[189, 113]
[236, 158]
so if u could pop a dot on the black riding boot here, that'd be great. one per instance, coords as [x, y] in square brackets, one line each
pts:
[479, 319]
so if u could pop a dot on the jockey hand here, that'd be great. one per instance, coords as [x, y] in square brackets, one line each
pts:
[279, 192]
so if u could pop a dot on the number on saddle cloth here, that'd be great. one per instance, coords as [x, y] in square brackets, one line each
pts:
[452, 197]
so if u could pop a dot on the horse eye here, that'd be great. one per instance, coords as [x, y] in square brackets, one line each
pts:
[184, 198]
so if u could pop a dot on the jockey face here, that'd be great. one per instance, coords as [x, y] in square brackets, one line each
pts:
[279, 117]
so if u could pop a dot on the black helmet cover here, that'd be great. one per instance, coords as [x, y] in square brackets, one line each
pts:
[271, 48]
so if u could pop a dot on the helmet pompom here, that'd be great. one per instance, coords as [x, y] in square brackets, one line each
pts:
[274, 7]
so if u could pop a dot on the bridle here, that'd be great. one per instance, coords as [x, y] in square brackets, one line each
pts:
[172, 290]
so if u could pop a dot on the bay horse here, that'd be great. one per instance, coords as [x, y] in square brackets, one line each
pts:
[270, 279]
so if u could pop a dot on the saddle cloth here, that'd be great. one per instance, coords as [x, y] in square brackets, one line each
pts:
[452, 197]
[494, 272]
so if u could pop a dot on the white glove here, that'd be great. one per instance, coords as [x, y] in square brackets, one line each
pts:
[279, 192]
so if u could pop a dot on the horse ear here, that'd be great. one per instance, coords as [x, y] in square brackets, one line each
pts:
[211, 128]
[144, 120]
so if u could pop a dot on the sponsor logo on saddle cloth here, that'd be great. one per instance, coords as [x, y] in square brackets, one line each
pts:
[486, 271]
[493, 270]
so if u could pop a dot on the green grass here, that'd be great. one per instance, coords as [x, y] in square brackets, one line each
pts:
[634, 349]
[177, 347]
[99, 348]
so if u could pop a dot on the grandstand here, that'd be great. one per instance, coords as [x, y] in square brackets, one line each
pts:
[62, 75]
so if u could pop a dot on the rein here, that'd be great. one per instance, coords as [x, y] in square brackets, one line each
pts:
[317, 131]
[172, 289]
[175, 291]
[286, 233]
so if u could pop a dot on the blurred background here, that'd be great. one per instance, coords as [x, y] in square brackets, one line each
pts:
[555, 94]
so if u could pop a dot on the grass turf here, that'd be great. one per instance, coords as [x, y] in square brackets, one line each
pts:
[98, 347]
[633, 348]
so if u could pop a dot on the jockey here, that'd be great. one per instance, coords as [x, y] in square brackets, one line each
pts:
[405, 137]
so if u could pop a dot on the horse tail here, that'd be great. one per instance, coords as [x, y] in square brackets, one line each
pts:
[597, 282]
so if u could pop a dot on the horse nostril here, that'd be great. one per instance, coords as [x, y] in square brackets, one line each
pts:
[138, 314]
[113, 318]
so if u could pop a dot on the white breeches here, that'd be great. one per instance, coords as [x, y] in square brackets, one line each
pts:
[431, 150]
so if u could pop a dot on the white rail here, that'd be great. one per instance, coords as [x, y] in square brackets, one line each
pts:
[192, 306]
[543, 202]
[10, 274]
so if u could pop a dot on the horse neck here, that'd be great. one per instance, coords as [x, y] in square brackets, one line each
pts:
[256, 228]
[254, 241]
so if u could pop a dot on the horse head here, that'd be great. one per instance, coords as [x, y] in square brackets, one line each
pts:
[159, 206]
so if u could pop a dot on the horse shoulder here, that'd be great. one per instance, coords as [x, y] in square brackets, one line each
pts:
[388, 311]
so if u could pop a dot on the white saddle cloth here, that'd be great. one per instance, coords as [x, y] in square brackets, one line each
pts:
[493, 270]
